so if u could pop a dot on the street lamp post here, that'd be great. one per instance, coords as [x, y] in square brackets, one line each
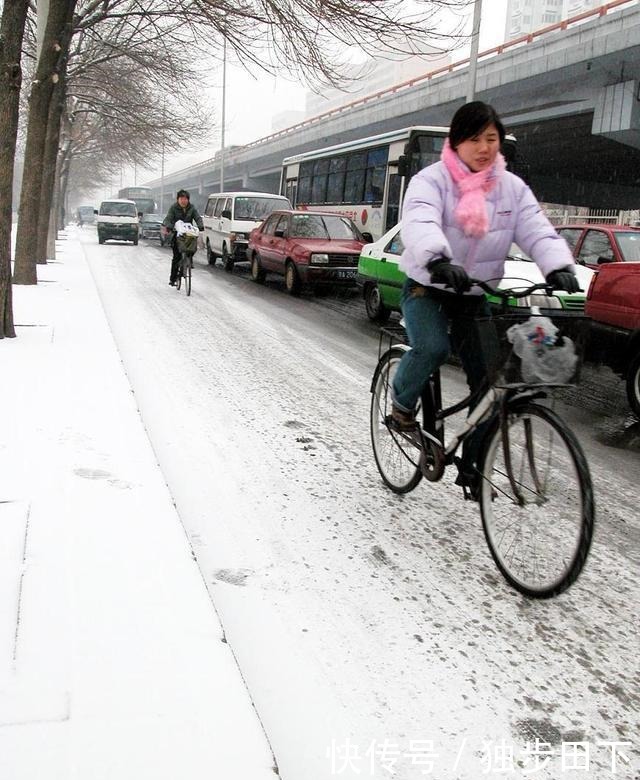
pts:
[224, 100]
[473, 56]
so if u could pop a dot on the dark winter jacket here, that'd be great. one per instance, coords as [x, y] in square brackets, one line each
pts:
[176, 212]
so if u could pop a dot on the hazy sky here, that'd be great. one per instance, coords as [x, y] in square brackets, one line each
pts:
[251, 99]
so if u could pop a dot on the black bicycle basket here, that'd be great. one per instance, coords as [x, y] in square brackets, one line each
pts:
[533, 349]
[187, 243]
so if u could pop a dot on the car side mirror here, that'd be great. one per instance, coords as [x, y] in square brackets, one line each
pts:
[602, 260]
[403, 165]
[139, 215]
[278, 233]
[226, 214]
[95, 211]
[367, 237]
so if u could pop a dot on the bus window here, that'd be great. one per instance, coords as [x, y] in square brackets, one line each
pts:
[319, 185]
[376, 175]
[422, 150]
[354, 178]
[335, 182]
[393, 198]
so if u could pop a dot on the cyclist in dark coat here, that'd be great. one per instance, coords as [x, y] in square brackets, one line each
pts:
[183, 210]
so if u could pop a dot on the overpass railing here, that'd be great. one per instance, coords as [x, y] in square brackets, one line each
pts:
[454, 66]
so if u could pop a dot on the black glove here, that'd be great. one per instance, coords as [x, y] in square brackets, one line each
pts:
[444, 272]
[563, 279]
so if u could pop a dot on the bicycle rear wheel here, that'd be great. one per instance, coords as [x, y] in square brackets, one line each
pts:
[540, 544]
[397, 456]
[179, 276]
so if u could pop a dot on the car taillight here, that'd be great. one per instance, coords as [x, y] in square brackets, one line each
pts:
[591, 284]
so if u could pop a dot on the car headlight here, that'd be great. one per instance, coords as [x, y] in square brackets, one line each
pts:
[319, 259]
[237, 236]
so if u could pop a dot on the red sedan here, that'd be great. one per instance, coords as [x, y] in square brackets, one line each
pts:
[594, 244]
[307, 248]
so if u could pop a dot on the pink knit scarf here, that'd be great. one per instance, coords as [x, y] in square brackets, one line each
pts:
[471, 211]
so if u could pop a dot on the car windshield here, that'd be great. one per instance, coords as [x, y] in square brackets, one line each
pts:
[321, 226]
[257, 209]
[118, 209]
[629, 245]
[151, 218]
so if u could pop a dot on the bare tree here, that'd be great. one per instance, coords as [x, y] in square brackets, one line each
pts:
[299, 34]
[51, 67]
[14, 15]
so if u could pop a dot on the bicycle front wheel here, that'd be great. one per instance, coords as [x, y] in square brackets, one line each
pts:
[397, 456]
[540, 538]
[187, 263]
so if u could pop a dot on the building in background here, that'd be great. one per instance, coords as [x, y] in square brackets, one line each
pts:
[525, 16]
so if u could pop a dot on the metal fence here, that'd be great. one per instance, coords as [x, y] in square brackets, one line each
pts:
[566, 215]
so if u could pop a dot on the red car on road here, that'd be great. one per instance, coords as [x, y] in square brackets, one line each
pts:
[594, 244]
[308, 248]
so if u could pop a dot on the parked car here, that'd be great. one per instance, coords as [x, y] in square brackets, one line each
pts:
[150, 227]
[228, 219]
[381, 280]
[595, 245]
[613, 303]
[117, 219]
[307, 248]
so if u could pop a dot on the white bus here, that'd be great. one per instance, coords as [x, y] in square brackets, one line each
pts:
[365, 179]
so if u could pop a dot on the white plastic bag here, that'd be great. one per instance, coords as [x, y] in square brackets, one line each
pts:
[186, 228]
[545, 357]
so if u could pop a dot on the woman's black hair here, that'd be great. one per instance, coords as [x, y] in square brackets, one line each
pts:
[185, 193]
[471, 119]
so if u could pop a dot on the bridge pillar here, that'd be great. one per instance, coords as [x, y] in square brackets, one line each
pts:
[617, 113]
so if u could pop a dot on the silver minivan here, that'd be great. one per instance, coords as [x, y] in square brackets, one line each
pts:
[228, 219]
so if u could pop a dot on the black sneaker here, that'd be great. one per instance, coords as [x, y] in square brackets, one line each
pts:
[173, 284]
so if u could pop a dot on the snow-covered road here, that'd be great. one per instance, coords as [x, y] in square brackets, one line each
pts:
[374, 631]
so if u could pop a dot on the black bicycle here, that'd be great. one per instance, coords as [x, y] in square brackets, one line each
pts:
[533, 482]
[187, 245]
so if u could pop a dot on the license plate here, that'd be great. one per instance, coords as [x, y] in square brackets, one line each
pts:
[348, 274]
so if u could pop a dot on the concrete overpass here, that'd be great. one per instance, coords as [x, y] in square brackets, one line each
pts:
[569, 92]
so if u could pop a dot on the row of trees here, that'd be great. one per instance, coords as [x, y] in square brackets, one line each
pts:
[105, 76]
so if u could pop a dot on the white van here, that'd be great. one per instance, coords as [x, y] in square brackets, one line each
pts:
[117, 219]
[228, 219]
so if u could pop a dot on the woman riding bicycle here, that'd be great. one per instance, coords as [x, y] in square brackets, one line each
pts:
[459, 218]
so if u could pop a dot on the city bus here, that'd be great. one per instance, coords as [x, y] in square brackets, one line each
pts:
[365, 179]
[141, 196]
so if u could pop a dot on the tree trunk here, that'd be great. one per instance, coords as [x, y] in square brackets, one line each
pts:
[52, 64]
[49, 164]
[14, 16]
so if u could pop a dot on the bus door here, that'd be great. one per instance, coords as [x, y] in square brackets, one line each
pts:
[395, 184]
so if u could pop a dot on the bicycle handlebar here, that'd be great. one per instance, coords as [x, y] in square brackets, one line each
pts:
[507, 293]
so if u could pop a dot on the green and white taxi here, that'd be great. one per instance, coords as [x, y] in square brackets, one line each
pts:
[381, 280]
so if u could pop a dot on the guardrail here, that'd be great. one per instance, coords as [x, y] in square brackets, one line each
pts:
[445, 69]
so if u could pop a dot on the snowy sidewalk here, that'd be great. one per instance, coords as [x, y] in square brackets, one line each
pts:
[113, 663]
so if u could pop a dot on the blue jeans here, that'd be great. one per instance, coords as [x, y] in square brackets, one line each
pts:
[436, 322]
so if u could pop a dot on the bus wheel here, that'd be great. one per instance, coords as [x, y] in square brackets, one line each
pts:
[376, 310]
